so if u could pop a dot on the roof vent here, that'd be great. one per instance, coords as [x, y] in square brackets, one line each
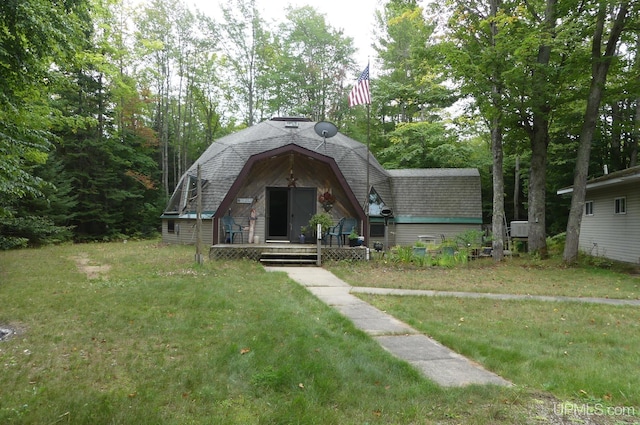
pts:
[290, 122]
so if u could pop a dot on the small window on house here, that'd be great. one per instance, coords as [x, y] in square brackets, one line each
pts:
[376, 230]
[588, 208]
[171, 226]
[620, 205]
[376, 204]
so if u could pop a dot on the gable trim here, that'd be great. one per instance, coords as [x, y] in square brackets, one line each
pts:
[283, 150]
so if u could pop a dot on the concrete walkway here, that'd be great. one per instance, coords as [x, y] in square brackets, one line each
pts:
[427, 293]
[436, 361]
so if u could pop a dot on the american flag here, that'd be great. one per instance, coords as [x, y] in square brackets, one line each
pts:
[360, 94]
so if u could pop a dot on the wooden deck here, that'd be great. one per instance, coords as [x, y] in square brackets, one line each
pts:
[286, 253]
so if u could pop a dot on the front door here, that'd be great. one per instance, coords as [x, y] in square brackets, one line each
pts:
[303, 206]
[288, 209]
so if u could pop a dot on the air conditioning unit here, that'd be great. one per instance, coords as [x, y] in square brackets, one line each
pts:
[519, 229]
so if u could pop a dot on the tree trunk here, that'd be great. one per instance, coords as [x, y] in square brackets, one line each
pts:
[537, 194]
[497, 224]
[498, 220]
[540, 140]
[516, 191]
[599, 70]
[633, 155]
[616, 159]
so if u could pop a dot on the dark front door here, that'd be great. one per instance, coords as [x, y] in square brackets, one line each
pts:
[303, 206]
[288, 209]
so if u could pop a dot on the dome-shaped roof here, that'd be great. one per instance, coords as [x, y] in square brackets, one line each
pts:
[225, 158]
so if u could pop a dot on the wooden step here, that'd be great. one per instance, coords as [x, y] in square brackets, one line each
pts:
[283, 261]
[289, 257]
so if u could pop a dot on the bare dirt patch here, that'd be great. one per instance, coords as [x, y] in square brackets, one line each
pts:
[5, 332]
[9, 330]
[92, 271]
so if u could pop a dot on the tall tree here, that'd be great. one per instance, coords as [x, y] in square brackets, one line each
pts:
[320, 59]
[34, 36]
[600, 64]
[409, 93]
[542, 90]
[156, 41]
[411, 82]
[498, 217]
[479, 51]
[245, 36]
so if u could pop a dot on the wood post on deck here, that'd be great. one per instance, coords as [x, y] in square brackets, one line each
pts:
[319, 244]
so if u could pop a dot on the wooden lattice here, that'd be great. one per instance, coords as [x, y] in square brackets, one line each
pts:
[237, 252]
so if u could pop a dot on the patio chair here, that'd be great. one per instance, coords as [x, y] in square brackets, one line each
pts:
[347, 226]
[335, 231]
[231, 228]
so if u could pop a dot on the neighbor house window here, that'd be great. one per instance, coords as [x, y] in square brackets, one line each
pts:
[620, 205]
[171, 226]
[588, 208]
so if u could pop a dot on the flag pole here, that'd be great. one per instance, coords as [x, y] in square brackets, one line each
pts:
[367, 227]
[361, 93]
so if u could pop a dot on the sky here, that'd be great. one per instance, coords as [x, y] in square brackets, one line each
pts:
[355, 17]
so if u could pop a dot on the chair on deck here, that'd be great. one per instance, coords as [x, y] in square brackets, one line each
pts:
[335, 231]
[231, 228]
[348, 225]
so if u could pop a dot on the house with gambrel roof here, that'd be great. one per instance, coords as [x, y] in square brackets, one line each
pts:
[269, 178]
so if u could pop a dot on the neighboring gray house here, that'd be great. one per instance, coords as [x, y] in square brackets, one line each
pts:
[611, 216]
[276, 171]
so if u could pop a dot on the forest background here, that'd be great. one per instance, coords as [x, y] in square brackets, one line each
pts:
[105, 103]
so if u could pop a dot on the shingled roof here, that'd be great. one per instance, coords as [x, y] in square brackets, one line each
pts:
[222, 162]
[413, 194]
[436, 193]
[628, 175]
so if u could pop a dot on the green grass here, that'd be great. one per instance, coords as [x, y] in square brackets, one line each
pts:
[575, 351]
[520, 275]
[138, 333]
[157, 339]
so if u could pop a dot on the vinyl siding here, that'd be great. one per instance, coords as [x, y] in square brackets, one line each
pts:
[614, 236]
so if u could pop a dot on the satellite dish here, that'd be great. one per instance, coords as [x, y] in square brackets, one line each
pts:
[325, 130]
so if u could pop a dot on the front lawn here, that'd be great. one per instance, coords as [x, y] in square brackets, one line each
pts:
[137, 333]
[517, 275]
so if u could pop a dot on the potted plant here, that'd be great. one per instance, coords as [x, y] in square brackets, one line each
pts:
[448, 247]
[419, 249]
[322, 219]
[303, 234]
[354, 238]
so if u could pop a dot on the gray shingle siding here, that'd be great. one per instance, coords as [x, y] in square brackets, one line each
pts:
[437, 193]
